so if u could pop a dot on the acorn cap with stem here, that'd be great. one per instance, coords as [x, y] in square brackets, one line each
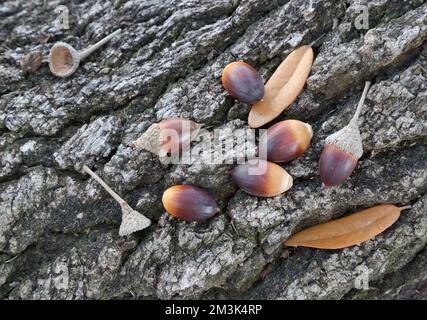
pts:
[132, 220]
[348, 139]
[64, 59]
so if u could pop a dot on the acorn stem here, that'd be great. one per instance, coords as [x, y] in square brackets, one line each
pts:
[353, 120]
[86, 52]
[106, 187]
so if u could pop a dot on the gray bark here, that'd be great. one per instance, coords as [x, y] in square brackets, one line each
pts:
[59, 229]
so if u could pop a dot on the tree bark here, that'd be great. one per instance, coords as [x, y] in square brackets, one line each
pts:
[59, 229]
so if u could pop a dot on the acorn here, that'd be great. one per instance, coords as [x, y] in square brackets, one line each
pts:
[262, 178]
[286, 140]
[342, 150]
[189, 203]
[243, 82]
[169, 136]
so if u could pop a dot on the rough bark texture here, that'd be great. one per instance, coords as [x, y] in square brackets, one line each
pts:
[59, 229]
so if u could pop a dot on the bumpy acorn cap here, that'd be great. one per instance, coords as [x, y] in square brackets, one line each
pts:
[132, 221]
[348, 139]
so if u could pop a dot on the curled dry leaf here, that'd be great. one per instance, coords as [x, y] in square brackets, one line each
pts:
[283, 87]
[168, 136]
[347, 231]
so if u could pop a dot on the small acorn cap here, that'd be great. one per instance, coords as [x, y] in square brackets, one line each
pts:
[132, 220]
[348, 139]
[64, 59]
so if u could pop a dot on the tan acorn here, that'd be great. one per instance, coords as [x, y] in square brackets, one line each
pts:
[342, 150]
[286, 140]
[262, 178]
[189, 203]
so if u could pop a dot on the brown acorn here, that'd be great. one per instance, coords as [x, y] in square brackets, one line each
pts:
[243, 82]
[286, 140]
[170, 136]
[342, 150]
[262, 178]
[189, 203]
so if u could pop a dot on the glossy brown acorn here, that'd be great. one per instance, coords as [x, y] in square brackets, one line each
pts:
[286, 140]
[243, 82]
[342, 150]
[262, 178]
[189, 203]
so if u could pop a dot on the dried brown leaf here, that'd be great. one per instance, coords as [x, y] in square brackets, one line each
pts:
[347, 231]
[283, 87]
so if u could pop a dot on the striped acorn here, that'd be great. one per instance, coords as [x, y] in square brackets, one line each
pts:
[243, 82]
[189, 203]
[262, 178]
[286, 140]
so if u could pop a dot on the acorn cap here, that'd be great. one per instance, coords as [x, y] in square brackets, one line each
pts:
[132, 221]
[347, 139]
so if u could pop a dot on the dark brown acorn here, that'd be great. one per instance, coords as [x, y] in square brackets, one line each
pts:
[189, 203]
[342, 150]
[286, 140]
[262, 178]
[243, 82]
